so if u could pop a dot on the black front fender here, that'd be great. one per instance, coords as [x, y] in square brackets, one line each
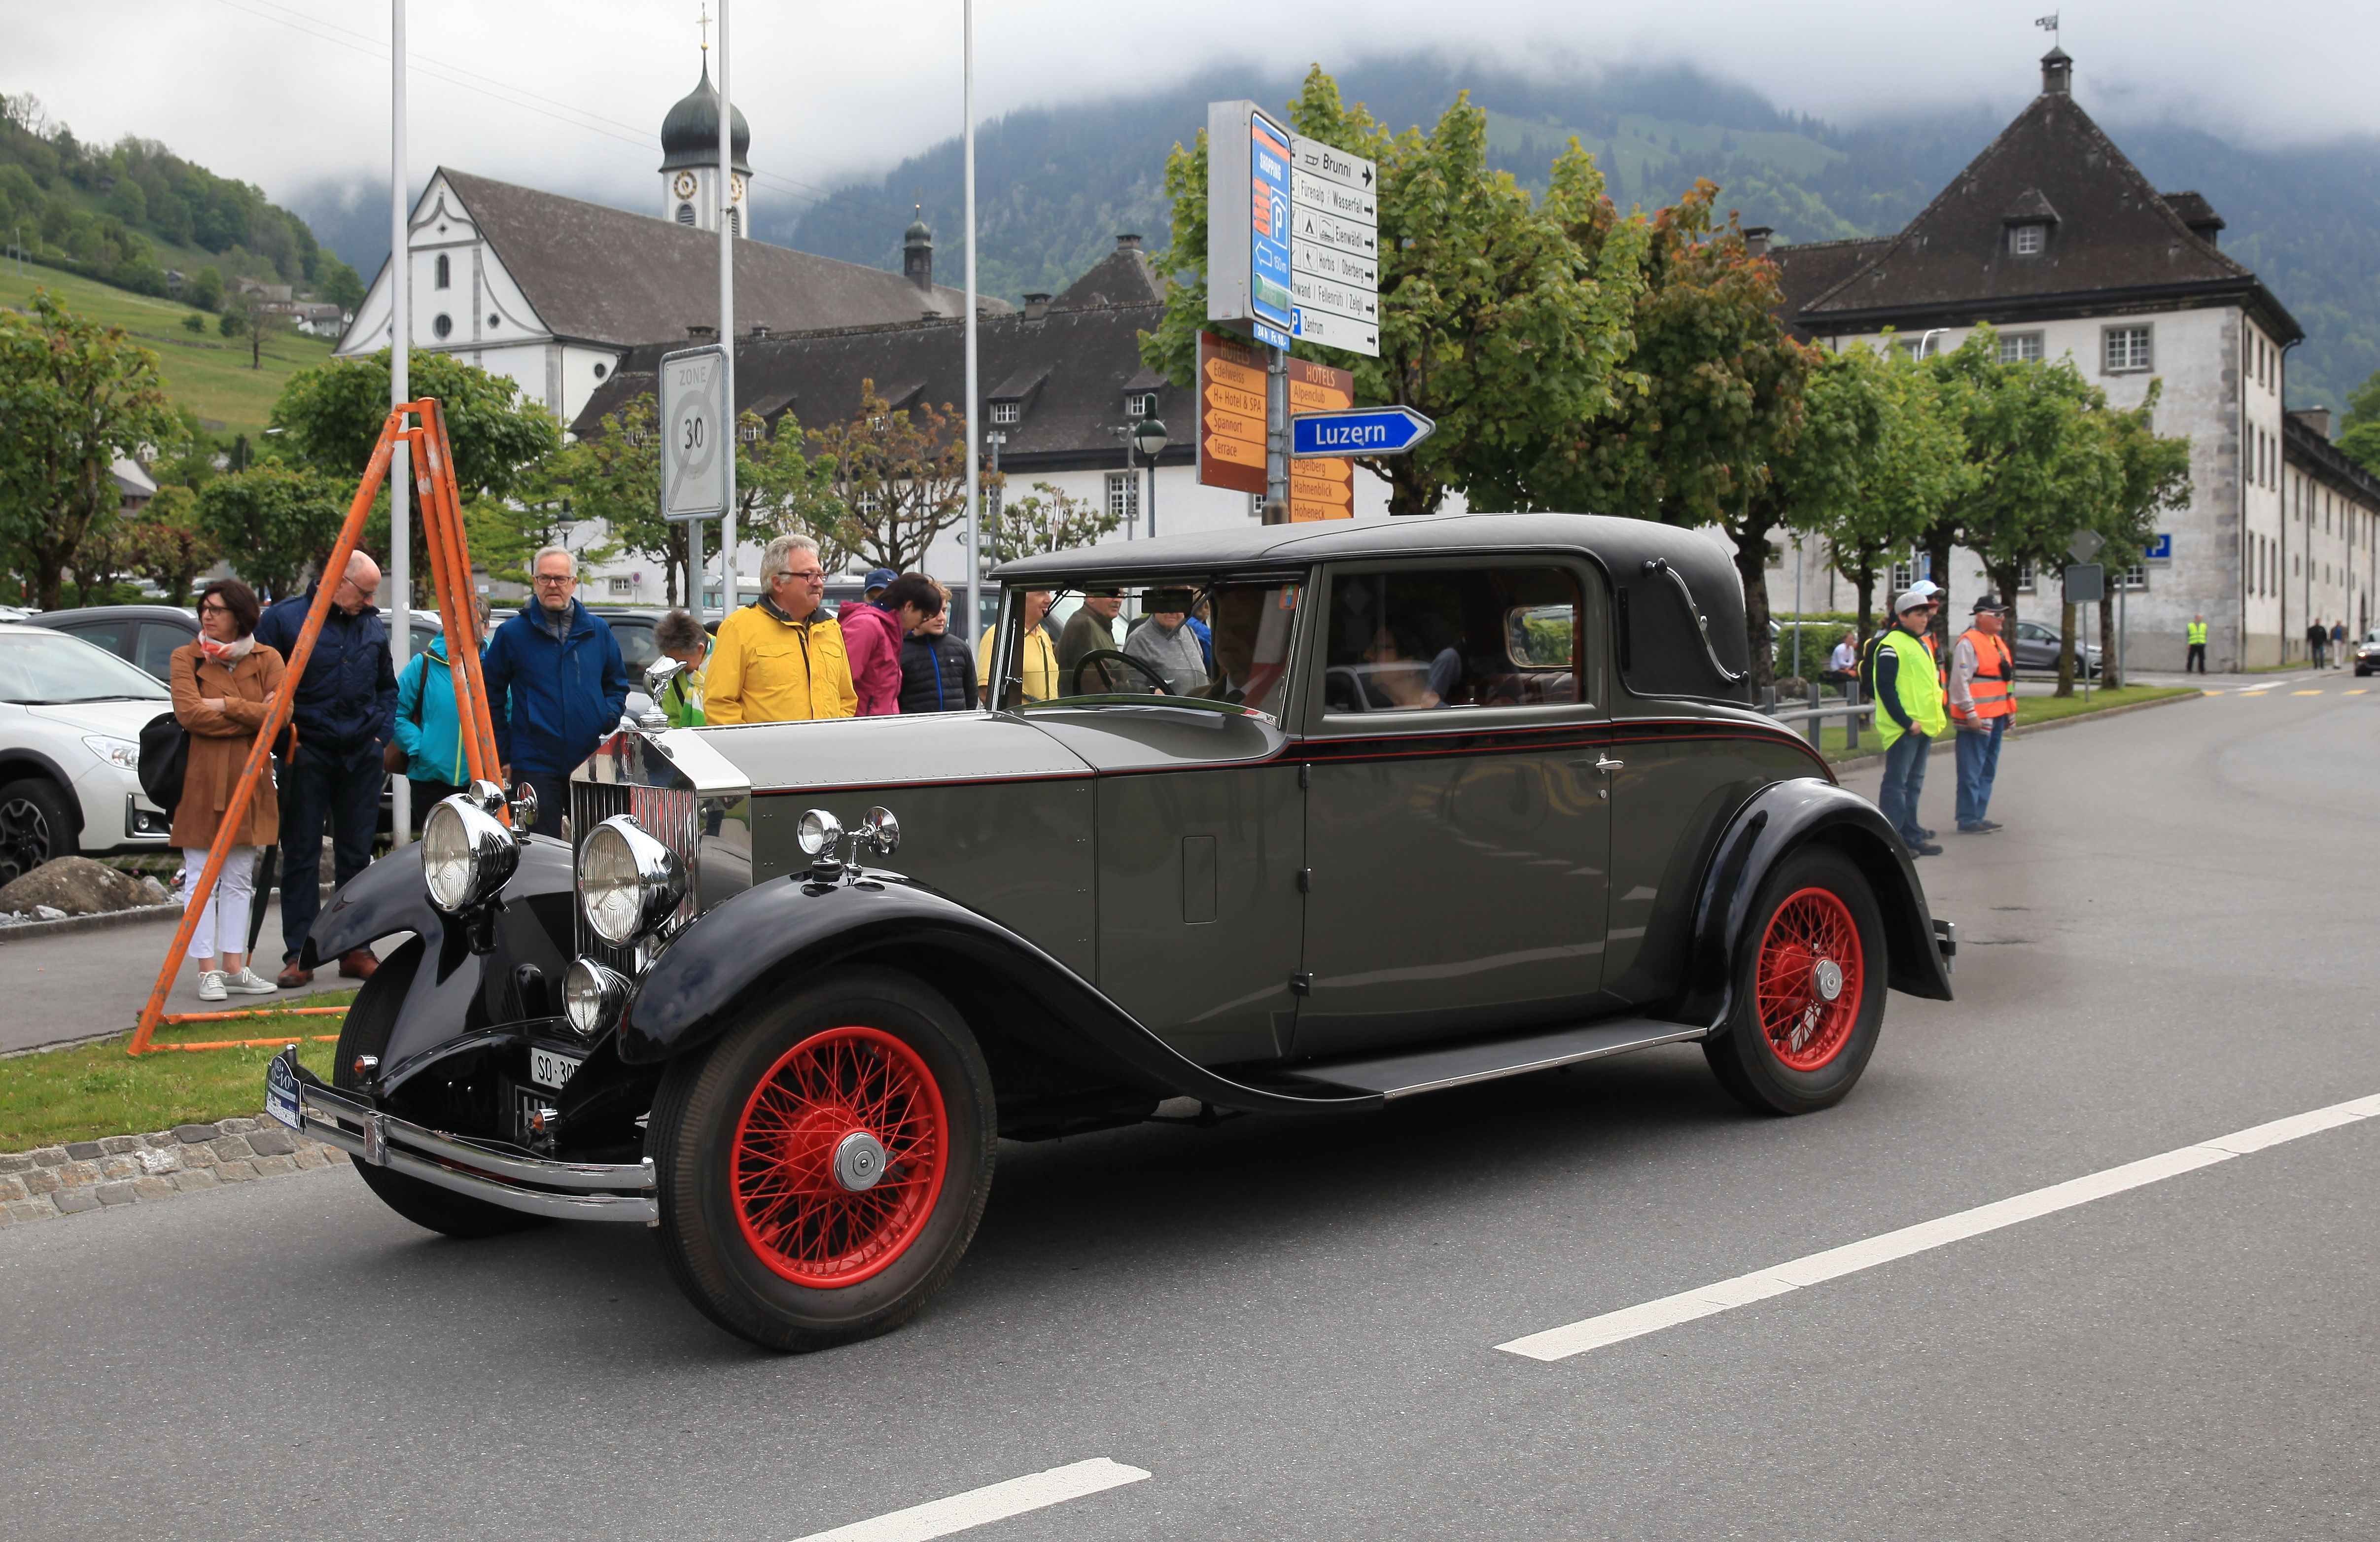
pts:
[1779, 818]
[774, 933]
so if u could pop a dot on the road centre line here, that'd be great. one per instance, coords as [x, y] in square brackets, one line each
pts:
[1651, 1316]
[995, 1502]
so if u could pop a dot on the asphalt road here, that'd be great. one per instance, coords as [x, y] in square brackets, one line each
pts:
[1290, 1324]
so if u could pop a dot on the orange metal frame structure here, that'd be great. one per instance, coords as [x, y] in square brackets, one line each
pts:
[432, 461]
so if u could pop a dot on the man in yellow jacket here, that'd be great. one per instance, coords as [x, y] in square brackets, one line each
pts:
[1909, 715]
[779, 660]
[1035, 666]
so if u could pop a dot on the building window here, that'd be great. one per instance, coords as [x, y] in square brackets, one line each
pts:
[2019, 347]
[736, 222]
[622, 585]
[2128, 349]
[444, 272]
[2026, 241]
[866, 504]
[2134, 576]
[685, 214]
[1123, 495]
[1007, 412]
[443, 325]
[2025, 578]
[1904, 576]
[1140, 404]
[600, 370]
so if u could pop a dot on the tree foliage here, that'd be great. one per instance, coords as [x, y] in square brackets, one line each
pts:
[274, 521]
[74, 396]
[1897, 483]
[899, 476]
[1049, 519]
[2358, 428]
[332, 415]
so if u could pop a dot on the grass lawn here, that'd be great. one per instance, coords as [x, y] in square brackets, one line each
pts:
[207, 373]
[2030, 708]
[96, 1090]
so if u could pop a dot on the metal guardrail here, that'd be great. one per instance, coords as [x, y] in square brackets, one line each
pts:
[1820, 708]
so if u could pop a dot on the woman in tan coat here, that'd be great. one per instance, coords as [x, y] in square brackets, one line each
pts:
[221, 684]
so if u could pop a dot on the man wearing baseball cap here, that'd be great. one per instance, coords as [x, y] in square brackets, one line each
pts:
[1909, 714]
[1982, 703]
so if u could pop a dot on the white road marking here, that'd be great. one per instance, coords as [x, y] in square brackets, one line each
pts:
[981, 1506]
[1651, 1316]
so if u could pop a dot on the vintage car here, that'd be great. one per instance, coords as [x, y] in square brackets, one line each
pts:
[1429, 802]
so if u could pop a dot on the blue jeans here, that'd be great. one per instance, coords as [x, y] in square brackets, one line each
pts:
[1979, 761]
[315, 789]
[1904, 778]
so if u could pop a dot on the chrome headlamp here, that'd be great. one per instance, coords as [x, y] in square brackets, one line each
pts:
[628, 883]
[467, 855]
[592, 996]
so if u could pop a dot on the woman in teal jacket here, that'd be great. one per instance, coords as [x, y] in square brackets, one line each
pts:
[430, 728]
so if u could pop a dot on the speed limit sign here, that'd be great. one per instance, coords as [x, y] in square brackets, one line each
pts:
[695, 434]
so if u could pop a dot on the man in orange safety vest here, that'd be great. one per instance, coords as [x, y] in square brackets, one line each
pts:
[1982, 700]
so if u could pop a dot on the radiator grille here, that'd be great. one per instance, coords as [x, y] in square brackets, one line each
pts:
[667, 814]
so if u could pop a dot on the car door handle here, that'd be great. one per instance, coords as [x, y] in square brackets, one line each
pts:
[1606, 765]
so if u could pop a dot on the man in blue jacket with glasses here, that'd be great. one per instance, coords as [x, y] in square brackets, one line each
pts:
[558, 666]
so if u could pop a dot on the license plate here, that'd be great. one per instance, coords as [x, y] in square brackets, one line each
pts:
[281, 1093]
[550, 1068]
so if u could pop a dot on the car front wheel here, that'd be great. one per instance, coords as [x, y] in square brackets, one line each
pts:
[823, 1166]
[1809, 990]
[34, 827]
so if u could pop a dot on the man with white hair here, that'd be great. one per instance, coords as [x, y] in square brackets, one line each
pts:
[556, 668]
[344, 710]
[781, 658]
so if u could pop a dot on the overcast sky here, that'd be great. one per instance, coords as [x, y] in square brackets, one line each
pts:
[570, 95]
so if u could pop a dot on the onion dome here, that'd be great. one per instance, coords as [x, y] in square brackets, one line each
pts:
[690, 133]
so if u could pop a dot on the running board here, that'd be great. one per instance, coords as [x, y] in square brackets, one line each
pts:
[1395, 1076]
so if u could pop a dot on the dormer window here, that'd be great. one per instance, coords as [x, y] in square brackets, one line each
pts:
[1140, 404]
[1007, 412]
[2026, 241]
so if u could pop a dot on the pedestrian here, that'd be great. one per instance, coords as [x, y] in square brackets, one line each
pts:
[2196, 658]
[1909, 716]
[1843, 664]
[1167, 644]
[1036, 676]
[344, 708]
[680, 636]
[2338, 645]
[781, 658]
[428, 743]
[2317, 639]
[223, 688]
[1983, 704]
[1091, 629]
[557, 668]
[871, 643]
[937, 672]
[872, 587]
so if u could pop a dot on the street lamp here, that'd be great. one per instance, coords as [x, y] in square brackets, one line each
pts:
[1148, 438]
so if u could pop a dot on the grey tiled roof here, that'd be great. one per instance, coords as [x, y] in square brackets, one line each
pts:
[1806, 270]
[601, 275]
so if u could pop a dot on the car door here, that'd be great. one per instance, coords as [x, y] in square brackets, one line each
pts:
[1457, 828]
[156, 646]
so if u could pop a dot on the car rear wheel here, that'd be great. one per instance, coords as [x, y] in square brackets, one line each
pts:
[366, 1032]
[34, 827]
[1809, 989]
[823, 1166]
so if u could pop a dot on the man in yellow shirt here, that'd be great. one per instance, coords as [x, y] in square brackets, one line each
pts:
[1037, 667]
[779, 660]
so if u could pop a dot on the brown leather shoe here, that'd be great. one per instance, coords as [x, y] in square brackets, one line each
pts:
[358, 964]
[294, 978]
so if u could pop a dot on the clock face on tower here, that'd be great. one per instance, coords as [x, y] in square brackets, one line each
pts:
[685, 184]
[734, 189]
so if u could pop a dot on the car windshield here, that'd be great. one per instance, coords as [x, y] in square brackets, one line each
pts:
[1226, 642]
[41, 669]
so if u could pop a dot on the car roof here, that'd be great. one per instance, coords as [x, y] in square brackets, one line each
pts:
[115, 612]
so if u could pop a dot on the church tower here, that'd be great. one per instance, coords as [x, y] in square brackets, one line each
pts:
[690, 192]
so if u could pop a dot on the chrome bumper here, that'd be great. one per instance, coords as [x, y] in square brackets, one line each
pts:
[1946, 943]
[566, 1190]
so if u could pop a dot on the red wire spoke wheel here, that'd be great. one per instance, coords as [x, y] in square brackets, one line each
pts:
[1810, 979]
[839, 1157]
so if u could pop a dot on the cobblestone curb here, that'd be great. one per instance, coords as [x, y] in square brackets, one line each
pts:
[128, 1169]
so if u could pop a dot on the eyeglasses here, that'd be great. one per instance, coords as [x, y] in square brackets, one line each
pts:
[814, 576]
[555, 577]
[214, 607]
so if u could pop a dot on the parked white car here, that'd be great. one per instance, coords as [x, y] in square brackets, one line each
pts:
[70, 720]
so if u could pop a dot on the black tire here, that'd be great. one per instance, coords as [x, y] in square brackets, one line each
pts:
[369, 1022]
[1758, 1071]
[897, 1037]
[36, 826]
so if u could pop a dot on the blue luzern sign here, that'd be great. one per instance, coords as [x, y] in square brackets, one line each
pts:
[1364, 430]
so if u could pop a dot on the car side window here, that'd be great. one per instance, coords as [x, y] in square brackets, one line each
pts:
[637, 647]
[1424, 640]
[114, 635]
[158, 641]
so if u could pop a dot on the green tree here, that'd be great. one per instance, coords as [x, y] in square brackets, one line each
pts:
[274, 521]
[1497, 321]
[207, 289]
[167, 546]
[2153, 473]
[1914, 468]
[2358, 429]
[332, 416]
[614, 475]
[782, 490]
[74, 396]
[1049, 519]
[901, 478]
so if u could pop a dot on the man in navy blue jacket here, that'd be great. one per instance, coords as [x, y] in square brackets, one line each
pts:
[344, 711]
[560, 667]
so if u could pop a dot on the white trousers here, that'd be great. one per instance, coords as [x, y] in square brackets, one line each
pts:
[223, 925]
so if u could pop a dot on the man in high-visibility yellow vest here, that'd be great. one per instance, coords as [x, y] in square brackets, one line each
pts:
[1982, 703]
[1909, 714]
[2197, 658]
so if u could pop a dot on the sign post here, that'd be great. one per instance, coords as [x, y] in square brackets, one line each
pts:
[696, 451]
[2086, 584]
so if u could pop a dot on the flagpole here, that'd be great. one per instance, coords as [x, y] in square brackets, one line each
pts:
[974, 488]
[727, 216]
[400, 389]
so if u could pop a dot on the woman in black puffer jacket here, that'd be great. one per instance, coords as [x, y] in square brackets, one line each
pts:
[937, 669]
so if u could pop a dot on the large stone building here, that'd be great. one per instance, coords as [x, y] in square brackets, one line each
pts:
[551, 291]
[2057, 241]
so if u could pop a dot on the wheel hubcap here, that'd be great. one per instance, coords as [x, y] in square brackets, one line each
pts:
[1809, 978]
[24, 838]
[839, 1157]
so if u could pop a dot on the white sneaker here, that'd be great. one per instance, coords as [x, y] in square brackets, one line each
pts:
[248, 983]
[211, 985]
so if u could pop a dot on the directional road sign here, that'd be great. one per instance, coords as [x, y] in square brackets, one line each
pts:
[1334, 247]
[1336, 331]
[1247, 230]
[694, 431]
[1364, 430]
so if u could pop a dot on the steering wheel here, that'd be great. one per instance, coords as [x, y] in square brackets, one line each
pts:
[1100, 654]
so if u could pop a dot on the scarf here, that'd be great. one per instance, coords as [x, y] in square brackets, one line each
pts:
[228, 654]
